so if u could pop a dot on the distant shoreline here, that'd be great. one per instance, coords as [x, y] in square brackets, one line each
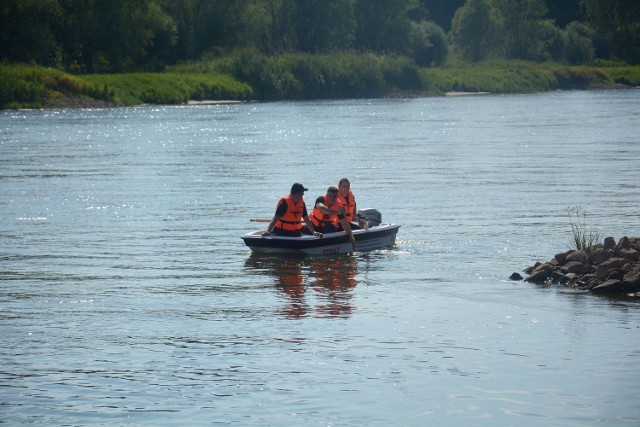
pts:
[24, 86]
[212, 102]
[454, 93]
[89, 103]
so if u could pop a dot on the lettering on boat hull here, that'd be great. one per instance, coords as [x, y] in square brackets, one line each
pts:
[331, 251]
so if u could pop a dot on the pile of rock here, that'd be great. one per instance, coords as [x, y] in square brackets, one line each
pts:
[609, 269]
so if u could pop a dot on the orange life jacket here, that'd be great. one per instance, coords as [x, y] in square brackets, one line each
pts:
[291, 219]
[349, 206]
[320, 219]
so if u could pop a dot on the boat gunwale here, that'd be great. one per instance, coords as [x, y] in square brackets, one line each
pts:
[256, 239]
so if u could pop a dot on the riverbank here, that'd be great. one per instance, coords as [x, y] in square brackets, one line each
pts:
[610, 268]
[295, 78]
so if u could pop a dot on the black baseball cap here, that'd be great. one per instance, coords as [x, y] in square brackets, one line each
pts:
[298, 188]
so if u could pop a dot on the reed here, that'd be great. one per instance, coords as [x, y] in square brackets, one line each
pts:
[306, 76]
[583, 238]
[494, 77]
[525, 77]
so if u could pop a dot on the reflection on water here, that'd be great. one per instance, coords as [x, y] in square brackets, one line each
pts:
[128, 297]
[332, 281]
[289, 281]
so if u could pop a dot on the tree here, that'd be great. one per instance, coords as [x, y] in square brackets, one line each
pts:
[190, 19]
[282, 33]
[28, 31]
[384, 26]
[441, 11]
[475, 31]
[564, 12]
[325, 26]
[118, 35]
[578, 47]
[527, 33]
[428, 43]
[619, 20]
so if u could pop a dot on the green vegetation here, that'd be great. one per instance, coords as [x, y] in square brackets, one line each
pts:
[96, 36]
[584, 239]
[250, 76]
[168, 51]
[306, 76]
[525, 77]
[30, 86]
[169, 88]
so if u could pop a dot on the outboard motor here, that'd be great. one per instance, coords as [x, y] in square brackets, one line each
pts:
[369, 218]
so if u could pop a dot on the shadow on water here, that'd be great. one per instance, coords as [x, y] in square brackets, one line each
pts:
[318, 287]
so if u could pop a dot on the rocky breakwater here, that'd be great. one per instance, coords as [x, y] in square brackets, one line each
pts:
[613, 268]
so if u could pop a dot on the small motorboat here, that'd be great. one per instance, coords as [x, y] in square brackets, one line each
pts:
[369, 233]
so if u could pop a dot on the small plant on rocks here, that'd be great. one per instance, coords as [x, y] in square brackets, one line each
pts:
[584, 238]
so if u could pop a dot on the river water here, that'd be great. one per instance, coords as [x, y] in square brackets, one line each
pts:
[128, 297]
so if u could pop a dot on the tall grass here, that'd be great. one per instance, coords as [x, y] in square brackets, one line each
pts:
[31, 86]
[494, 77]
[583, 238]
[305, 76]
[525, 77]
[170, 88]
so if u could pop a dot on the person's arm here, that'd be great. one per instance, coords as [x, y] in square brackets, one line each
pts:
[325, 210]
[347, 228]
[280, 210]
[271, 225]
[309, 224]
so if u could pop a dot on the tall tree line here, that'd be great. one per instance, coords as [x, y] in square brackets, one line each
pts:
[127, 35]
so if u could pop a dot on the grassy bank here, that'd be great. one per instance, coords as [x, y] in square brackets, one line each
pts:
[245, 76]
[169, 88]
[28, 86]
[526, 77]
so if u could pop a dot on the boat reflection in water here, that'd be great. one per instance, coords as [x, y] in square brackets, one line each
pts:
[331, 281]
[290, 282]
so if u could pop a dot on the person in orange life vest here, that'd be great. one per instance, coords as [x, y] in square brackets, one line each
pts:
[290, 210]
[328, 215]
[324, 215]
[347, 199]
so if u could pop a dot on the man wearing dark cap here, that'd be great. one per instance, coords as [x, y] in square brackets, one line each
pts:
[290, 211]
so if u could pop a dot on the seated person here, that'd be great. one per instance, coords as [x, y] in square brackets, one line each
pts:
[289, 212]
[327, 212]
[348, 201]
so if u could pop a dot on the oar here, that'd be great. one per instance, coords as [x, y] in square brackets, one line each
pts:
[260, 220]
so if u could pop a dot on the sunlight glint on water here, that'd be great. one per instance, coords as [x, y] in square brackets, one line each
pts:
[127, 295]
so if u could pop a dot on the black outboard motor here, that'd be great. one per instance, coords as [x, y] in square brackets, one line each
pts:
[369, 218]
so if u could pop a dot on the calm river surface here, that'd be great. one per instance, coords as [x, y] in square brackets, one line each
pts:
[128, 297]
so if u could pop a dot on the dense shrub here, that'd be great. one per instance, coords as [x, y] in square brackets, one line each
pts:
[306, 76]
